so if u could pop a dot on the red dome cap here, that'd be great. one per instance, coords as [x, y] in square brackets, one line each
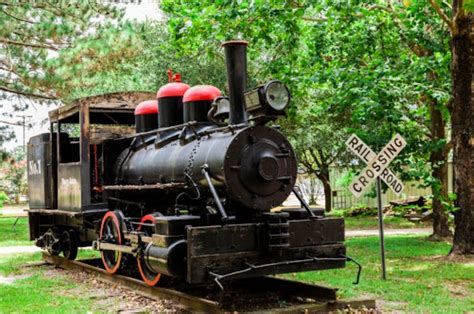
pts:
[201, 92]
[147, 107]
[175, 89]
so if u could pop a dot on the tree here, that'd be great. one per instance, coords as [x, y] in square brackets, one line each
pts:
[460, 25]
[319, 144]
[426, 38]
[6, 134]
[48, 47]
[147, 71]
[13, 182]
[462, 113]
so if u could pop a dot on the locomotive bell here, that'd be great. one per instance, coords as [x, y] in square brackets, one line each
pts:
[223, 107]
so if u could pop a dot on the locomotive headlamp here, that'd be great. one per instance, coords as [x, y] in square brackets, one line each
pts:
[270, 99]
[277, 95]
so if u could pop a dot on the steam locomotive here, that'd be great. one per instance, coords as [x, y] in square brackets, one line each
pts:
[183, 186]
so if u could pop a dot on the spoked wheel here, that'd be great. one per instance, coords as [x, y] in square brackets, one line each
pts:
[149, 276]
[51, 241]
[69, 244]
[111, 232]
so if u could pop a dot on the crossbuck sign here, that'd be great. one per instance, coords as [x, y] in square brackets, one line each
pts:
[376, 164]
[376, 169]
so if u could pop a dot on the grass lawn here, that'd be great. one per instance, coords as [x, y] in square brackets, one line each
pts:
[420, 277]
[13, 236]
[36, 292]
[366, 223]
[39, 292]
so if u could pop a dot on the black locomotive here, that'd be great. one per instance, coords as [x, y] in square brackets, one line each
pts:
[183, 186]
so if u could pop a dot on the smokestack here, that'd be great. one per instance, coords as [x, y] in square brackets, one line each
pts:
[236, 61]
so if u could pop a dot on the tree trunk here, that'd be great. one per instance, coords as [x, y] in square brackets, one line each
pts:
[440, 217]
[439, 168]
[324, 177]
[327, 197]
[312, 191]
[463, 130]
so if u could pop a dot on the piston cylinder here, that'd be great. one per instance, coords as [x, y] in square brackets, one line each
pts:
[170, 261]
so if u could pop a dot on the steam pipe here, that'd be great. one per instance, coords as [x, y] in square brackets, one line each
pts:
[236, 62]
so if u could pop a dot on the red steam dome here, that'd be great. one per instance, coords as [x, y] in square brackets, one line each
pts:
[201, 92]
[146, 116]
[147, 107]
[175, 89]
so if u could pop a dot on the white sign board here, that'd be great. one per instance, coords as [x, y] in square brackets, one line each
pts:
[358, 147]
[376, 164]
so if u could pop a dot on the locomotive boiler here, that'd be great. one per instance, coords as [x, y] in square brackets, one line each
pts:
[183, 186]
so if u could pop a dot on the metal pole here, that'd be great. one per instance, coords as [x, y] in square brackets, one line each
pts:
[380, 214]
[24, 126]
[23, 117]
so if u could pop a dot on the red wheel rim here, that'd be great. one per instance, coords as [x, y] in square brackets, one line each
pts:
[111, 219]
[148, 277]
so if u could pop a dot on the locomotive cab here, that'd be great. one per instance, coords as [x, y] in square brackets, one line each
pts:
[67, 167]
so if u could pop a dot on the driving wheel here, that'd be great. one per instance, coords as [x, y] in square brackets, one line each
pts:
[111, 232]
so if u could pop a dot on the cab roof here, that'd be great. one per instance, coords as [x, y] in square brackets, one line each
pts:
[111, 108]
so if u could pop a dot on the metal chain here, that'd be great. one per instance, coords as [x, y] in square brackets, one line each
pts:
[189, 168]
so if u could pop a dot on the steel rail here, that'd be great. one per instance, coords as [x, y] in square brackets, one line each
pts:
[324, 299]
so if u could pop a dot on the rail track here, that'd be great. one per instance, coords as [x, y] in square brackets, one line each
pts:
[262, 294]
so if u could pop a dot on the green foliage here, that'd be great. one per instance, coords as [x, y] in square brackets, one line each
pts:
[13, 178]
[468, 5]
[448, 203]
[355, 211]
[146, 70]
[3, 198]
[400, 211]
[6, 134]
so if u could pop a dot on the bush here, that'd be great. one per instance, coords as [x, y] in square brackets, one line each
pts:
[402, 211]
[356, 211]
[3, 198]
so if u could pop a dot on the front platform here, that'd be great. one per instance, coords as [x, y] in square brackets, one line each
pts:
[248, 250]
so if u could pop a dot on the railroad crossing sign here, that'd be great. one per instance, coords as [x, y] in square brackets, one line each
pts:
[376, 164]
[376, 169]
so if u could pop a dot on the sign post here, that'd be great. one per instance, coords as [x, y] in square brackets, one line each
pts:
[376, 170]
[381, 232]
